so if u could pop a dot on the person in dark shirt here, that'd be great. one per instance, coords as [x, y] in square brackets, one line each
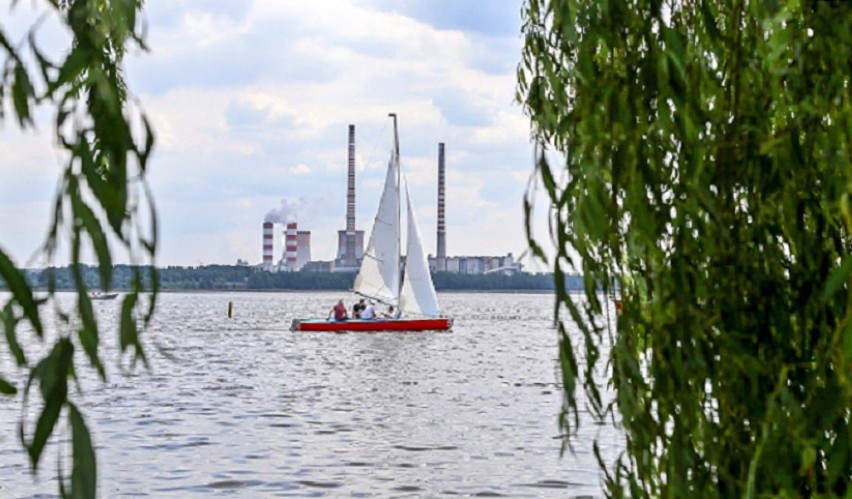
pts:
[358, 308]
[338, 311]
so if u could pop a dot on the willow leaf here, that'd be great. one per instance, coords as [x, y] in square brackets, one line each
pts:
[21, 291]
[84, 472]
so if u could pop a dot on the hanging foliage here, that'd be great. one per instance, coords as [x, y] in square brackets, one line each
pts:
[706, 171]
[103, 197]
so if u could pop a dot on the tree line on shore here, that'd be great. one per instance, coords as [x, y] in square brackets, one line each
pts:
[241, 277]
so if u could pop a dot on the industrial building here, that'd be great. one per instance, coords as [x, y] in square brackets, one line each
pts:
[476, 264]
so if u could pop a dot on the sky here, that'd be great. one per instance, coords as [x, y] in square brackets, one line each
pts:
[251, 102]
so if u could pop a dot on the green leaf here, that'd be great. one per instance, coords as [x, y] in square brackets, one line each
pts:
[99, 240]
[149, 144]
[838, 278]
[89, 340]
[84, 472]
[154, 279]
[76, 62]
[710, 21]
[22, 92]
[534, 246]
[128, 332]
[846, 336]
[21, 291]
[94, 177]
[52, 374]
[88, 333]
[7, 388]
[4, 42]
[10, 322]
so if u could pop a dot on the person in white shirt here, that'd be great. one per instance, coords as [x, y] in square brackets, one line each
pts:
[392, 313]
[370, 311]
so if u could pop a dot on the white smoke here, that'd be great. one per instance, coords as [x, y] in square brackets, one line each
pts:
[285, 213]
[301, 210]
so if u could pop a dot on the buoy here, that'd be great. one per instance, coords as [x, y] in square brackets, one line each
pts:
[230, 309]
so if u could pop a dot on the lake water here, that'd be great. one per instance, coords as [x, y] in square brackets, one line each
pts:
[243, 407]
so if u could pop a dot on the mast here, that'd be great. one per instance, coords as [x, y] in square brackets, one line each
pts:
[399, 195]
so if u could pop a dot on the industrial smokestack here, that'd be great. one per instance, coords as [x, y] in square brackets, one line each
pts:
[442, 229]
[267, 244]
[349, 258]
[291, 246]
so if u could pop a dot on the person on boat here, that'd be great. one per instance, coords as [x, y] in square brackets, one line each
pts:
[392, 313]
[338, 311]
[358, 308]
[370, 311]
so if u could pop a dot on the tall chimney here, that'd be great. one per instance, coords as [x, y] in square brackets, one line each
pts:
[349, 258]
[267, 244]
[291, 246]
[442, 229]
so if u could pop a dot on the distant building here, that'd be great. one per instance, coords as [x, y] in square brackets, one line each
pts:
[343, 263]
[477, 264]
[319, 266]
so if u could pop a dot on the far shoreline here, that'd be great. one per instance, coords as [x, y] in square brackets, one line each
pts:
[236, 290]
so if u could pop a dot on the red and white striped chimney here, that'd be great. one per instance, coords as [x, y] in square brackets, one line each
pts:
[291, 245]
[267, 243]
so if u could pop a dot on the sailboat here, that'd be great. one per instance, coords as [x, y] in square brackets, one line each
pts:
[382, 276]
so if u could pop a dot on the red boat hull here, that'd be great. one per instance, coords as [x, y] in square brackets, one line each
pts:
[373, 325]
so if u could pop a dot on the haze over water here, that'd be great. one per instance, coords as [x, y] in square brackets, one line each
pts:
[243, 407]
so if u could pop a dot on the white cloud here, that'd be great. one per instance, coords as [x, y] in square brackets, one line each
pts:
[301, 169]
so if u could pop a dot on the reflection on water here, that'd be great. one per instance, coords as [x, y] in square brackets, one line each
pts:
[243, 407]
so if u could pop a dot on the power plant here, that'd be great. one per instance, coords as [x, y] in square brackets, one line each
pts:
[296, 253]
[296, 247]
[297, 244]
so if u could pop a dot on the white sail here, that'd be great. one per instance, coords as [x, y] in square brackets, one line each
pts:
[418, 292]
[379, 274]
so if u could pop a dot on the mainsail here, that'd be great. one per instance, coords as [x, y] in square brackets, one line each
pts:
[418, 293]
[379, 274]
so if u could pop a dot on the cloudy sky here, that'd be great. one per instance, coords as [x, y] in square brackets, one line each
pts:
[251, 101]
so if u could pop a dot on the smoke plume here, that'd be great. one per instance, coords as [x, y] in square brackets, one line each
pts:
[293, 211]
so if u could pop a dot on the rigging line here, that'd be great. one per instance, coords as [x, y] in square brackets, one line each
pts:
[369, 157]
[374, 298]
[365, 162]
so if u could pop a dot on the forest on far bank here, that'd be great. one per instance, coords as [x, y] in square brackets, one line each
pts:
[242, 277]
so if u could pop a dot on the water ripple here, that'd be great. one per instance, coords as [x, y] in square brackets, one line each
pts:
[244, 408]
